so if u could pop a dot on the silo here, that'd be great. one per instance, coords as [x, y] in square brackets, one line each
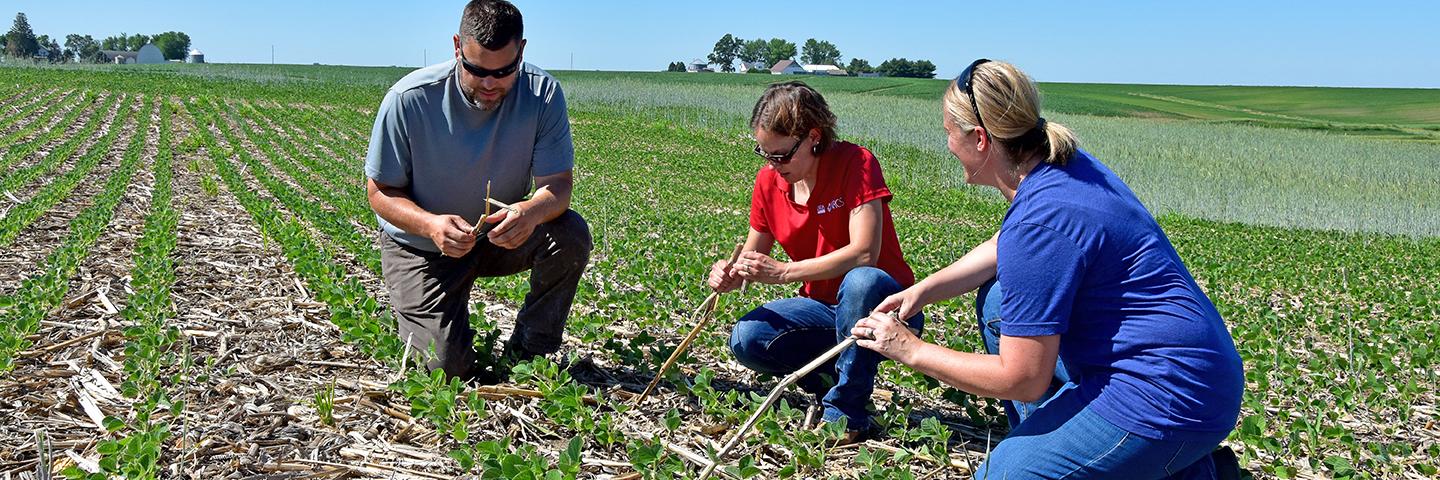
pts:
[195, 56]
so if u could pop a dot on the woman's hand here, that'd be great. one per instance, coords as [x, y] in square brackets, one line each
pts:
[759, 267]
[904, 304]
[723, 277]
[887, 336]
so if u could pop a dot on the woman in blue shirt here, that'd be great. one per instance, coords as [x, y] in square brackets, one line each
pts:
[1113, 361]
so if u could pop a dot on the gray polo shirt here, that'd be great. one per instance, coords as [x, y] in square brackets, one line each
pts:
[430, 141]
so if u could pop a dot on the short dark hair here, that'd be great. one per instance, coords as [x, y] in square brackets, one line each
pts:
[492, 23]
[793, 109]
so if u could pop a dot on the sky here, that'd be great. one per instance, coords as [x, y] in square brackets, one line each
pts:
[1307, 43]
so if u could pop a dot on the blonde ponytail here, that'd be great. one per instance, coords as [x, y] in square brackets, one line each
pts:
[1062, 142]
[1009, 101]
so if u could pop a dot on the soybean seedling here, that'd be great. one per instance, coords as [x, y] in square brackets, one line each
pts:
[502, 205]
[475, 230]
[790, 379]
[704, 314]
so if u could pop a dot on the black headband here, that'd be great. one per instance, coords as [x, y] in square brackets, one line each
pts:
[966, 83]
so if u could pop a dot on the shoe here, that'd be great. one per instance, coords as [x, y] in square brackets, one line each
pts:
[1227, 466]
[515, 353]
[850, 437]
[487, 371]
[488, 376]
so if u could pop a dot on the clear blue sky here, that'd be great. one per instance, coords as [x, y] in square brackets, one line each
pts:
[1217, 42]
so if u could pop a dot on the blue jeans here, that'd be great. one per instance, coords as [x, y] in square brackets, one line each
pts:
[1060, 437]
[987, 308]
[781, 336]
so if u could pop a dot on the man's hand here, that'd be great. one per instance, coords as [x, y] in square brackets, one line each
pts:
[514, 228]
[451, 234]
[759, 267]
[723, 277]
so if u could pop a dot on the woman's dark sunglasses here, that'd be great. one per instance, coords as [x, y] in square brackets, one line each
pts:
[776, 158]
[483, 72]
[966, 82]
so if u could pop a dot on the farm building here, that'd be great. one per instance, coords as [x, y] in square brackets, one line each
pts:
[747, 67]
[195, 56]
[697, 65]
[787, 67]
[118, 56]
[147, 54]
[822, 69]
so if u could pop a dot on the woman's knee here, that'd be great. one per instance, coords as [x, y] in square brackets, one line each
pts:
[748, 342]
[987, 300]
[987, 314]
[868, 283]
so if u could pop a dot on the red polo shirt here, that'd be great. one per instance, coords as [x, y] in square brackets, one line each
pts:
[848, 175]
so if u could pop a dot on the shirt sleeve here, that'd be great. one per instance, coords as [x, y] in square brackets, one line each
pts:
[1040, 270]
[867, 183]
[757, 206]
[554, 149]
[387, 161]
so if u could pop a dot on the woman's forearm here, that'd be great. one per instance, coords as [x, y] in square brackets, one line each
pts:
[1022, 374]
[831, 265]
[865, 228]
[966, 274]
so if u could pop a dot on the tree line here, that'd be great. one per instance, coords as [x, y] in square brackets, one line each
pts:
[21, 42]
[813, 52]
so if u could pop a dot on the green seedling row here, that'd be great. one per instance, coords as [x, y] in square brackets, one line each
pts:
[61, 186]
[21, 149]
[21, 313]
[27, 103]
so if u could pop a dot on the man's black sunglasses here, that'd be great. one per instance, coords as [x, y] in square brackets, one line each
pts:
[483, 72]
[779, 159]
[966, 83]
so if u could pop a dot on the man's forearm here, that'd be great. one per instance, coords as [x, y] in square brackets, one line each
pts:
[396, 207]
[551, 197]
[548, 202]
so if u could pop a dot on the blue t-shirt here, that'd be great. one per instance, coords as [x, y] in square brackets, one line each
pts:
[1081, 258]
[431, 141]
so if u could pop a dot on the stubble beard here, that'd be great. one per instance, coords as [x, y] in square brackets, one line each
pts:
[480, 104]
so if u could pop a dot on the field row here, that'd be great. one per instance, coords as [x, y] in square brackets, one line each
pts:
[1334, 327]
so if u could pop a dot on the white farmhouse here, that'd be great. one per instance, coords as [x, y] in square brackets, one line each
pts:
[746, 67]
[787, 67]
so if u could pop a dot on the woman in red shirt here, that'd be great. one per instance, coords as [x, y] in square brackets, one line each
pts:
[826, 203]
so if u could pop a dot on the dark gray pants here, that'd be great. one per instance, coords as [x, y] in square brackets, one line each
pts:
[430, 292]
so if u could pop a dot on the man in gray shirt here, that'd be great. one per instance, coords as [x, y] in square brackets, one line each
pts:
[441, 134]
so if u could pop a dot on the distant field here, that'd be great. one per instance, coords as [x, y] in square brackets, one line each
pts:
[1390, 112]
[1181, 151]
[1393, 113]
[1215, 170]
[189, 267]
